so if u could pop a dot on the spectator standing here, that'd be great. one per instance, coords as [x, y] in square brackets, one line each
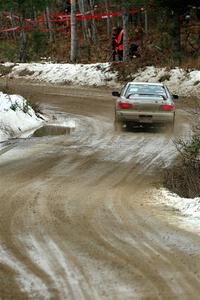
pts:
[67, 6]
[114, 44]
[119, 43]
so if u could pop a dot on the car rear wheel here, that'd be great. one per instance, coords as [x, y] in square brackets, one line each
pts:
[170, 126]
[117, 124]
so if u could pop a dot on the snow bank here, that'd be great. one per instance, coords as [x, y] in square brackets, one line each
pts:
[187, 206]
[92, 74]
[182, 82]
[16, 116]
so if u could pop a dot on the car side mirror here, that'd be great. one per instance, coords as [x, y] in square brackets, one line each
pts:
[175, 96]
[116, 94]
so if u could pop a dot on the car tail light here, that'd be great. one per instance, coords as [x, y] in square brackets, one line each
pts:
[168, 107]
[124, 105]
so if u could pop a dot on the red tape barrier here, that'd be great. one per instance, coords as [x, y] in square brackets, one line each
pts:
[17, 28]
[66, 18]
[29, 28]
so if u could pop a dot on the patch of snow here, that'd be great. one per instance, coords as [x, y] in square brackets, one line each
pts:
[91, 74]
[9, 64]
[16, 116]
[29, 283]
[189, 208]
[68, 123]
[179, 81]
[59, 266]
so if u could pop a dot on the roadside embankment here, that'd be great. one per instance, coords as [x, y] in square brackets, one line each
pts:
[183, 82]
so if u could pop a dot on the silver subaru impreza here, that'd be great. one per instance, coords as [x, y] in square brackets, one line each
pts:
[141, 103]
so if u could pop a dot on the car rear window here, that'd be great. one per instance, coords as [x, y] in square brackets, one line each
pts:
[149, 90]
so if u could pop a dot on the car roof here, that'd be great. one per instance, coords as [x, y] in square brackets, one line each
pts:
[146, 83]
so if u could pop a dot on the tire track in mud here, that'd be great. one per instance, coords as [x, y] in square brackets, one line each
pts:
[145, 248]
[7, 146]
[78, 221]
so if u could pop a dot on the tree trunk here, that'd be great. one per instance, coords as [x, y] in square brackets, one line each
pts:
[146, 21]
[94, 29]
[84, 22]
[23, 41]
[49, 25]
[13, 25]
[74, 35]
[108, 21]
[22, 38]
[176, 36]
[125, 38]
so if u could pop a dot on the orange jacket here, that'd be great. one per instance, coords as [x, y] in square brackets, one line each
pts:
[119, 41]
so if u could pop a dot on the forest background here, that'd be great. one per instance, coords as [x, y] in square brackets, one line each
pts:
[166, 31]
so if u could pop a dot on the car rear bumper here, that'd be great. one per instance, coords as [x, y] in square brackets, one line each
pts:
[145, 117]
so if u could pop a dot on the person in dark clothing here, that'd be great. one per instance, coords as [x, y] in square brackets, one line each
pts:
[133, 50]
[67, 6]
[135, 42]
[117, 43]
[114, 44]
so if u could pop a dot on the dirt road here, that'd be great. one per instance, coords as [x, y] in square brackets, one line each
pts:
[78, 218]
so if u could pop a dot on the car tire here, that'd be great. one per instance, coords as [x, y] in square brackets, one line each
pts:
[117, 124]
[171, 126]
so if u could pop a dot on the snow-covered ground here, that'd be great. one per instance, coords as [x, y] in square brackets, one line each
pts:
[18, 119]
[179, 81]
[16, 116]
[188, 208]
[79, 74]
[182, 82]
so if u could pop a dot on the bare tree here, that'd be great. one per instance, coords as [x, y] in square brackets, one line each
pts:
[125, 38]
[49, 24]
[108, 19]
[94, 29]
[83, 7]
[74, 35]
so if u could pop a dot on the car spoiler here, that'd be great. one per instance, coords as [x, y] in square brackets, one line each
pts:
[158, 95]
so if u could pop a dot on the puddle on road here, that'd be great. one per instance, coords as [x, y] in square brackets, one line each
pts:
[50, 130]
